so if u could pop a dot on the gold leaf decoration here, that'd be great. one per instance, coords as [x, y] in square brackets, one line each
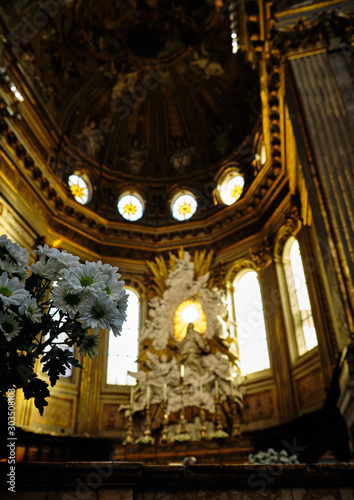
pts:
[202, 262]
[159, 268]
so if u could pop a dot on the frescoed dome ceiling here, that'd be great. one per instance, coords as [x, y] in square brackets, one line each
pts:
[144, 93]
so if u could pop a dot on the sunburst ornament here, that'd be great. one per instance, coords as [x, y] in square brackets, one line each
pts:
[184, 207]
[79, 189]
[236, 192]
[190, 311]
[130, 207]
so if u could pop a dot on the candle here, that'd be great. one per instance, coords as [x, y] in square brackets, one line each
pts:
[148, 396]
[182, 371]
[231, 388]
[216, 388]
[164, 392]
[131, 395]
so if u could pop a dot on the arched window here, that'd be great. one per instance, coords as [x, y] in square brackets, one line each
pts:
[305, 331]
[123, 350]
[250, 325]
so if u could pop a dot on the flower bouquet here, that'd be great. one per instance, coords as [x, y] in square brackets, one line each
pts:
[49, 307]
[272, 457]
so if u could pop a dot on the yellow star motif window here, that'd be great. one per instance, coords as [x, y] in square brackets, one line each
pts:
[79, 189]
[231, 189]
[130, 207]
[184, 207]
[236, 192]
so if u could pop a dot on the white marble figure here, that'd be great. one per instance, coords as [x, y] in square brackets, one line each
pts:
[206, 374]
[192, 348]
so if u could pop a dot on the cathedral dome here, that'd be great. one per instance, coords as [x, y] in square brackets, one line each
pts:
[143, 96]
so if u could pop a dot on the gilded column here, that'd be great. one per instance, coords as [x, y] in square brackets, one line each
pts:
[277, 341]
[327, 346]
[326, 152]
[87, 419]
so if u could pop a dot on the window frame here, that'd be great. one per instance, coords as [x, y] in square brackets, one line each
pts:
[292, 303]
[120, 388]
[237, 276]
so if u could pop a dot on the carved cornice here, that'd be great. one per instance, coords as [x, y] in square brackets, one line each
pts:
[262, 256]
[238, 266]
[288, 229]
[313, 34]
[68, 217]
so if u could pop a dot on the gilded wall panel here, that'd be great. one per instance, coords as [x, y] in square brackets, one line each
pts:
[111, 418]
[59, 412]
[259, 406]
[310, 390]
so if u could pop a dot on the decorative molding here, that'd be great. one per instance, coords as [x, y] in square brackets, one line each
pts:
[262, 256]
[238, 266]
[313, 34]
[288, 229]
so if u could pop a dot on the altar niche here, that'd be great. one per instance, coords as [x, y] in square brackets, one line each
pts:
[188, 379]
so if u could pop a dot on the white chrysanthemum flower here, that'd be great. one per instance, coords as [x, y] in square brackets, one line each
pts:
[117, 329]
[13, 258]
[31, 309]
[90, 345]
[65, 299]
[44, 251]
[47, 270]
[8, 267]
[108, 269]
[9, 326]
[122, 306]
[98, 311]
[67, 259]
[85, 277]
[114, 288]
[12, 292]
[19, 254]
[63, 259]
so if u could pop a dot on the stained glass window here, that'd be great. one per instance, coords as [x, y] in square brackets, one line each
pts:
[79, 189]
[231, 189]
[250, 325]
[130, 207]
[184, 207]
[123, 350]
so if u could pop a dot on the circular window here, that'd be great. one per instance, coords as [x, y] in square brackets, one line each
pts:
[184, 206]
[79, 189]
[130, 206]
[231, 189]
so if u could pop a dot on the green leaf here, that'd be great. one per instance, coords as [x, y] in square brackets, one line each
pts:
[55, 363]
[37, 389]
[75, 362]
